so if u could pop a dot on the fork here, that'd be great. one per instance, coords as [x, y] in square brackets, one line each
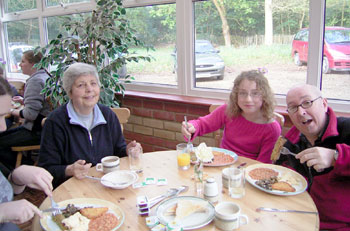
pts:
[55, 206]
[285, 151]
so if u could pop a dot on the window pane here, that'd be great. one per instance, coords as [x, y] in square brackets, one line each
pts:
[240, 41]
[58, 2]
[155, 26]
[336, 51]
[22, 35]
[14, 5]
[55, 24]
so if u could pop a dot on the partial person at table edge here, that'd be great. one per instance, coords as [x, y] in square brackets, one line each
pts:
[19, 211]
[250, 129]
[79, 134]
[35, 109]
[322, 143]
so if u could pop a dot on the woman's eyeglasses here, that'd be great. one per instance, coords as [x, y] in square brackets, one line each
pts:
[306, 104]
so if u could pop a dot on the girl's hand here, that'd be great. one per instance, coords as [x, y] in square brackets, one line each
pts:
[18, 212]
[187, 130]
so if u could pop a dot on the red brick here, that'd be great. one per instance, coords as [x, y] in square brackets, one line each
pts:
[198, 110]
[180, 117]
[147, 147]
[164, 115]
[133, 136]
[159, 149]
[153, 104]
[176, 107]
[153, 140]
[142, 112]
[132, 102]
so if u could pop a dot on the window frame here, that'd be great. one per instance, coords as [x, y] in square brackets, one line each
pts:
[185, 45]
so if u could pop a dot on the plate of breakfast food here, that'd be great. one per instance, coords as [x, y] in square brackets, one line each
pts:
[212, 156]
[275, 179]
[89, 214]
[190, 212]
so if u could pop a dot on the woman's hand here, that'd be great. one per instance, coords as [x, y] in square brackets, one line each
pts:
[187, 130]
[18, 212]
[18, 99]
[78, 169]
[33, 177]
[134, 148]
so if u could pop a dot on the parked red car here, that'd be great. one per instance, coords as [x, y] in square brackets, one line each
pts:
[336, 51]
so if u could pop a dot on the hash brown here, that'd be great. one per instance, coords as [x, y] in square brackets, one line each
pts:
[93, 213]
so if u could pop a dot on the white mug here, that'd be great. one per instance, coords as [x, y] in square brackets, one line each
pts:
[108, 164]
[228, 216]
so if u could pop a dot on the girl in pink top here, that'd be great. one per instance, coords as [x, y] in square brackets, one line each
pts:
[250, 129]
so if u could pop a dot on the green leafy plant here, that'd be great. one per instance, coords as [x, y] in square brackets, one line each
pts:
[104, 39]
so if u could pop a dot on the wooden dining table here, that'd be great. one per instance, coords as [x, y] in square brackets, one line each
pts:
[163, 164]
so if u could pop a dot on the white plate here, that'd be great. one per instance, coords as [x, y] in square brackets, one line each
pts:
[119, 179]
[49, 225]
[226, 152]
[193, 221]
[299, 187]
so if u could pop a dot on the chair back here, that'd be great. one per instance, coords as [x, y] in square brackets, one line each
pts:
[123, 115]
[19, 85]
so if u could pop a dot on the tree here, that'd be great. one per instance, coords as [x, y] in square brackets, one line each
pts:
[220, 6]
[102, 39]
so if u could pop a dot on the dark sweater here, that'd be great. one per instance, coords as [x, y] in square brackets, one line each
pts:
[330, 189]
[63, 143]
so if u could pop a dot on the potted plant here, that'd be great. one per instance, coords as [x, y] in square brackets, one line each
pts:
[103, 39]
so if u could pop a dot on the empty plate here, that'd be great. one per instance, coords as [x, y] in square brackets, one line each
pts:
[119, 179]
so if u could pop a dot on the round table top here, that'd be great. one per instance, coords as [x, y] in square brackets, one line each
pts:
[163, 164]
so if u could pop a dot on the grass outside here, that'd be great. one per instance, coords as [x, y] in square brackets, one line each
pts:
[163, 62]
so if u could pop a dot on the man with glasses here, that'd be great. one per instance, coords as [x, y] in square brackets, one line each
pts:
[321, 141]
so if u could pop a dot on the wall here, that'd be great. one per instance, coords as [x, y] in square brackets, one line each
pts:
[156, 119]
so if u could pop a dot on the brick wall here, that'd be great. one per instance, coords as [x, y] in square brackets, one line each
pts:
[156, 119]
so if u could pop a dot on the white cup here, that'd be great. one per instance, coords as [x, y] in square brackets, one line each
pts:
[236, 182]
[228, 216]
[135, 158]
[108, 164]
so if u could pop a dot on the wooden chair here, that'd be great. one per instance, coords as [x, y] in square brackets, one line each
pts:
[21, 149]
[218, 134]
[123, 115]
[19, 85]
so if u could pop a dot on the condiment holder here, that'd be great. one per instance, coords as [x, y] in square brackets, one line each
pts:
[211, 191]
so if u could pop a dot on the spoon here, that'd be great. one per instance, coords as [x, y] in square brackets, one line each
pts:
[189, 144]
[113, 183]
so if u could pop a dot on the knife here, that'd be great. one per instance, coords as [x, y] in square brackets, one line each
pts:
[52, 209]
[283, 210]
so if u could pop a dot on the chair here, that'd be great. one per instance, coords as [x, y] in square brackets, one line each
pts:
[218, 134]
[123, 115]
[19, 85]
[21, 149]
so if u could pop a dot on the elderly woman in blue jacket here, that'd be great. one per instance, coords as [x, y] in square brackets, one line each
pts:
[77, 135]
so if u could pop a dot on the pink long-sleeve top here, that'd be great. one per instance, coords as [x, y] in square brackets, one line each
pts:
[245, 138]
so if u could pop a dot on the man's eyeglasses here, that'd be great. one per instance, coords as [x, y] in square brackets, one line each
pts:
[253, 94]
[306, 104]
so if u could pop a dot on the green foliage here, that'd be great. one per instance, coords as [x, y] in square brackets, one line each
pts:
[102, 39]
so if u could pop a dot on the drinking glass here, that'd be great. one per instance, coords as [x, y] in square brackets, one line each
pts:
[236, 182]
[183, 156]
[135, 158]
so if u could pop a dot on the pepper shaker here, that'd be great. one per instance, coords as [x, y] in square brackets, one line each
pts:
[211, 190]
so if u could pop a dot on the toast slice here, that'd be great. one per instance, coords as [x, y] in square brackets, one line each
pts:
[275, 155]
[186, 208]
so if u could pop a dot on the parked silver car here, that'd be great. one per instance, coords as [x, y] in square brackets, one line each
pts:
[208, 61]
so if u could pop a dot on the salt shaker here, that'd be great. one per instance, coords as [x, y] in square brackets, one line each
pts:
[211, 192]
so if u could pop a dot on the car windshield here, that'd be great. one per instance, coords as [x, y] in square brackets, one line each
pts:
[203, 48]
[337, 36]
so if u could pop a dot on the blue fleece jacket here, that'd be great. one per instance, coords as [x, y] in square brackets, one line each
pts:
[65, 141]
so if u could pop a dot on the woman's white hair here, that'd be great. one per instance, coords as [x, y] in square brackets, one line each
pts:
[75, 71]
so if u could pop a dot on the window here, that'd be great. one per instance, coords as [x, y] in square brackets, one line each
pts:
[156, 25]
[15, 6]
[336, 55]
[22, 35]
[261, 36]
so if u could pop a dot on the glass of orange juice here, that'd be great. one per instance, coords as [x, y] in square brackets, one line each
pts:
[183, 156]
